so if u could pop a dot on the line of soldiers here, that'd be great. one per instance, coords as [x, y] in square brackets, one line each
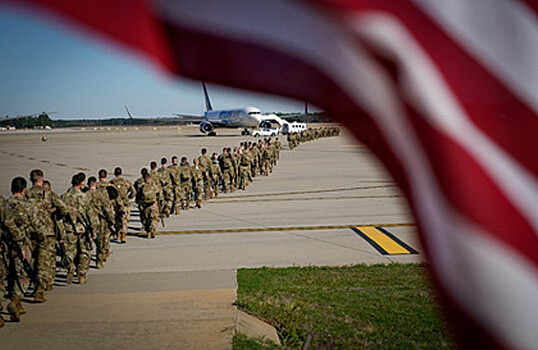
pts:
[163, 191]
[37, 225]
[311, 134]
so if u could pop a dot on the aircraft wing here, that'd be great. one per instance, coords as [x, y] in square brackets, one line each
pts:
[190, 118]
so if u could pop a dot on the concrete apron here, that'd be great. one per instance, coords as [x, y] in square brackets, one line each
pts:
[138, 311]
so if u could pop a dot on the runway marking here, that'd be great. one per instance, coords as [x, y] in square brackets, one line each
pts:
[383, 241]
[309, 198]
[311, 191]
[273, 229]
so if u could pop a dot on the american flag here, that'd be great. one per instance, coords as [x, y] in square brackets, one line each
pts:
[445, 93]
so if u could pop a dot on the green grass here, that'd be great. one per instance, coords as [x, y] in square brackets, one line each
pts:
[354, 307]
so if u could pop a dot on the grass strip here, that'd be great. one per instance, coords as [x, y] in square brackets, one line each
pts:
[351, 307]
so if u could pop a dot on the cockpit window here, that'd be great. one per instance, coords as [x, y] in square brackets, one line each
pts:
[252, 113]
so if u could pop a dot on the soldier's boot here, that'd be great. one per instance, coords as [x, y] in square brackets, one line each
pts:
[39, 296]
[70, 273]
[151, 234]
[82, 279]
[198, 203]
[107, 254]
[176, 210]
[100, 265]
[2, 323]
[14, 313]
[18, 304]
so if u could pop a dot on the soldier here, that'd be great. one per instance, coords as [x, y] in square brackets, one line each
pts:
[244, 169]
[216, 174]
[28, 220]
[81, 226]
[45, 250]
[138, 200]
[148, 198]
[227, 168]
[12, 238]
[175, 177]
[102, 206]
[166, 187]
[185, 175]
[197, 182]
[205, 164]
[278, 145]
[126, 193]
[114, 202]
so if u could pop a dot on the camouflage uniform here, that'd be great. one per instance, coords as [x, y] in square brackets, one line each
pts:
[81, 224]
[47, 203]
[102, 206]
[244, 169]
[166, 186]
[227, 167]
[197, 184]
[117, 208]
[28, 220]
[216, 176]
[205, 164]
[177, 192]
[9, 259]
[185, 175]
[148, 200]
[126, 193]
[138, 199]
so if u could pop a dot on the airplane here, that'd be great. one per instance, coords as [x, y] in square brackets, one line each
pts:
[247, 117]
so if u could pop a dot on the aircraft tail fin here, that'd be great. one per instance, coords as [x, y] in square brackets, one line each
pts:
[128, 112]
[208, 106]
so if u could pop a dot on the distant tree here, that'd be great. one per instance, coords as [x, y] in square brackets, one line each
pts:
[43, 120]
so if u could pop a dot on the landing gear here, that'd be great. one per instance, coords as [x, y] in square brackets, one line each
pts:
[245, 132]
[212, 133]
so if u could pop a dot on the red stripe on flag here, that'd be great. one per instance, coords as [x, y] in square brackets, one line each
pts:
[493, 108]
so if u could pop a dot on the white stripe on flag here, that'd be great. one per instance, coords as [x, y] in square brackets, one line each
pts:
[508, 47]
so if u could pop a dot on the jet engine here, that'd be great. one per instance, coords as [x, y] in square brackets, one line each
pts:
[265, 124]
[206, 127]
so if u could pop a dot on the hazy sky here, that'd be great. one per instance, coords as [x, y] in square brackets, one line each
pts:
[46, 67]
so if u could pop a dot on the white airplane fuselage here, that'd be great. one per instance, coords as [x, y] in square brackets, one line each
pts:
[248, 117]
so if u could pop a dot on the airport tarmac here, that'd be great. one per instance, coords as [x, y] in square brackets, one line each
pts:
[177, 290]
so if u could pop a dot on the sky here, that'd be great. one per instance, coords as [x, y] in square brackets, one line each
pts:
[47, 66]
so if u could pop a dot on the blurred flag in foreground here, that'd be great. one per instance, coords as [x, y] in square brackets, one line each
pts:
[444, 92]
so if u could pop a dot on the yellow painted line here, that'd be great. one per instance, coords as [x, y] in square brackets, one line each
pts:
[383, 241]
[272, 229]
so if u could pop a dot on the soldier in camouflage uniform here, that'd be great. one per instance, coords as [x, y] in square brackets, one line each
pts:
[175, 178]
[205, 164]
[10, 232]
[148, 199]
[227, 168]
[166, 187]
[185, 175]
[216, 174]
[137, 184]
[244, 169]
[197, 182]
[81, 225]
[45, 250]
[28, 220]
[126, 192]
[102, 206]
[114, 202]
